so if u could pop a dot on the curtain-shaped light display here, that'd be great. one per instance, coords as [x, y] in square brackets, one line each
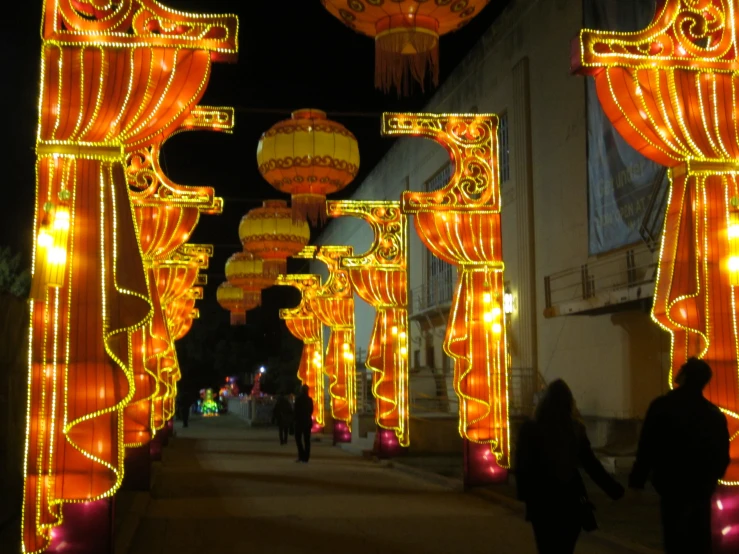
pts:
[460, 224]
[333, 304]
[380, 278]
[672, 96]
[115, 77]
[304, 325]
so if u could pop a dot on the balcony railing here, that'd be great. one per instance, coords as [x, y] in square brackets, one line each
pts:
[603, 284]
[438, 293]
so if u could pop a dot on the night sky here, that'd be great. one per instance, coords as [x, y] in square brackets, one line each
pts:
[293, 55]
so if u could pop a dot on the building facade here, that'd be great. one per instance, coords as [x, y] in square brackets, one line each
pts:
[579, 316]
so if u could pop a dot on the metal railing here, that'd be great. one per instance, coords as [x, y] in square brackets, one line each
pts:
[439, 292]
[630, 269]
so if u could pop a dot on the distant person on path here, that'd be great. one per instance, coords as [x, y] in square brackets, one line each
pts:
[283, 417]
[184, 405]
[303, 423]
[550, 449]
[684, 447]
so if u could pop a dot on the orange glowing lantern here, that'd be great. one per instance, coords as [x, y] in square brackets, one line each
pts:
[115, 77]
[304, 325]
[271, 234]
[406, 34]
[333, 305]
[460, 224]
[309, 157]
[234, 300]
[380, 278]
[245, 271]
[670, 91]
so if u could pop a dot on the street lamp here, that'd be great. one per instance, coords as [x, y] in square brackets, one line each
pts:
[262, 369]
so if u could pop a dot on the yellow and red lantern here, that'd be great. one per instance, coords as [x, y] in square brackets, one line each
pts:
[234, 299]
[308, 157]
[245, 271]
[406, 34]
[271, 234]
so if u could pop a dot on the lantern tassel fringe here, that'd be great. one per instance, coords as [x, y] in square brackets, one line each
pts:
[310, 207]
[400, 57]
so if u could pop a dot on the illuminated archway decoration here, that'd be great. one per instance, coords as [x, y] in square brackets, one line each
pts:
[333, 304]
[115, 77]
[380, 278]
[670, 91]
[304, 325]
[460, 224]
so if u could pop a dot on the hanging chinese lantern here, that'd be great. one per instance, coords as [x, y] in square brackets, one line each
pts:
[271, 234]
[309, 157]
[245, 271]
[234, 300]
[406, 34]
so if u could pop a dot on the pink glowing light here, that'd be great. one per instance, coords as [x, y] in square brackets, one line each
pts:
[719, 504]
[726, 530]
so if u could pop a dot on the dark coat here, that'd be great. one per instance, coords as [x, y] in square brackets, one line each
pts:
[303, 412]
[547, 475]
[283, 412]
[684, 446]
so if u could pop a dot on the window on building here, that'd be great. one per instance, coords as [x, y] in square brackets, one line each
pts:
[439, 274]
[504, 164]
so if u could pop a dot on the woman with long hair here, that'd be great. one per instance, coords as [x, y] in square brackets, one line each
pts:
[549, 453]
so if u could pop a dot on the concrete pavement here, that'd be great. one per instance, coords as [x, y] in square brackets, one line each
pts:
[227, 488]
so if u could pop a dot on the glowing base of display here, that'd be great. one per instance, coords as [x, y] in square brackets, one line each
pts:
[480, 466]
[211, 414]
[155, 447]
[316, 429]
[87, 529]
[386, 444]
[725, 520]
[342, 433]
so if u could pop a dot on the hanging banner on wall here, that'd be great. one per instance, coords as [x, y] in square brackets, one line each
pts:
[620, 180]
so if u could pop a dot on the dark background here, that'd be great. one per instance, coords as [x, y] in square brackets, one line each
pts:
[293, 55]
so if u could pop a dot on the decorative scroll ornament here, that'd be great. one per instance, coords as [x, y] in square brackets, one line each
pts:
[380, 278]
[406, 34]
[670, 91]
[309, 157]
[333, 305]
[304, 325]
[271, 234]
[104, 67]
[460, 224]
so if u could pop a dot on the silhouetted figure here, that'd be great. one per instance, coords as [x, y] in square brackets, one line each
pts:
[283, 417]
[684, 447]
[550, 450]
[184, 404]
[303, 424]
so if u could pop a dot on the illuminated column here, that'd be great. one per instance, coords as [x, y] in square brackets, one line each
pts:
[304, 325]
[102, 69]
[670, 91]
[333, 304]
[460, 224]
[380, 278]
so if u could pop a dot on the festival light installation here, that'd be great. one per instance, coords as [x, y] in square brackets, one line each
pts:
[380, 278]
[303, 324]
[209, 407]
[271, 234]
[460, 224]
[104, 67]
[234, 300]
[245, 271]
[670, 92]
[308, 156]
[406, 34]
[333, 305]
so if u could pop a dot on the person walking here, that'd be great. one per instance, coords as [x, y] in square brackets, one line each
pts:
[684, 448]
[283, 417]
[184, 405]
[550, 449]
[303, 423]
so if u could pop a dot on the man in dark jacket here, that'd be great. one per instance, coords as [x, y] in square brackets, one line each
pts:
[184, 403]
[283, 417]
[684, 446]
[303, 423]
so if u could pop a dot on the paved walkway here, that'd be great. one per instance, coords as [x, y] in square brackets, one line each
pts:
[226, 488]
